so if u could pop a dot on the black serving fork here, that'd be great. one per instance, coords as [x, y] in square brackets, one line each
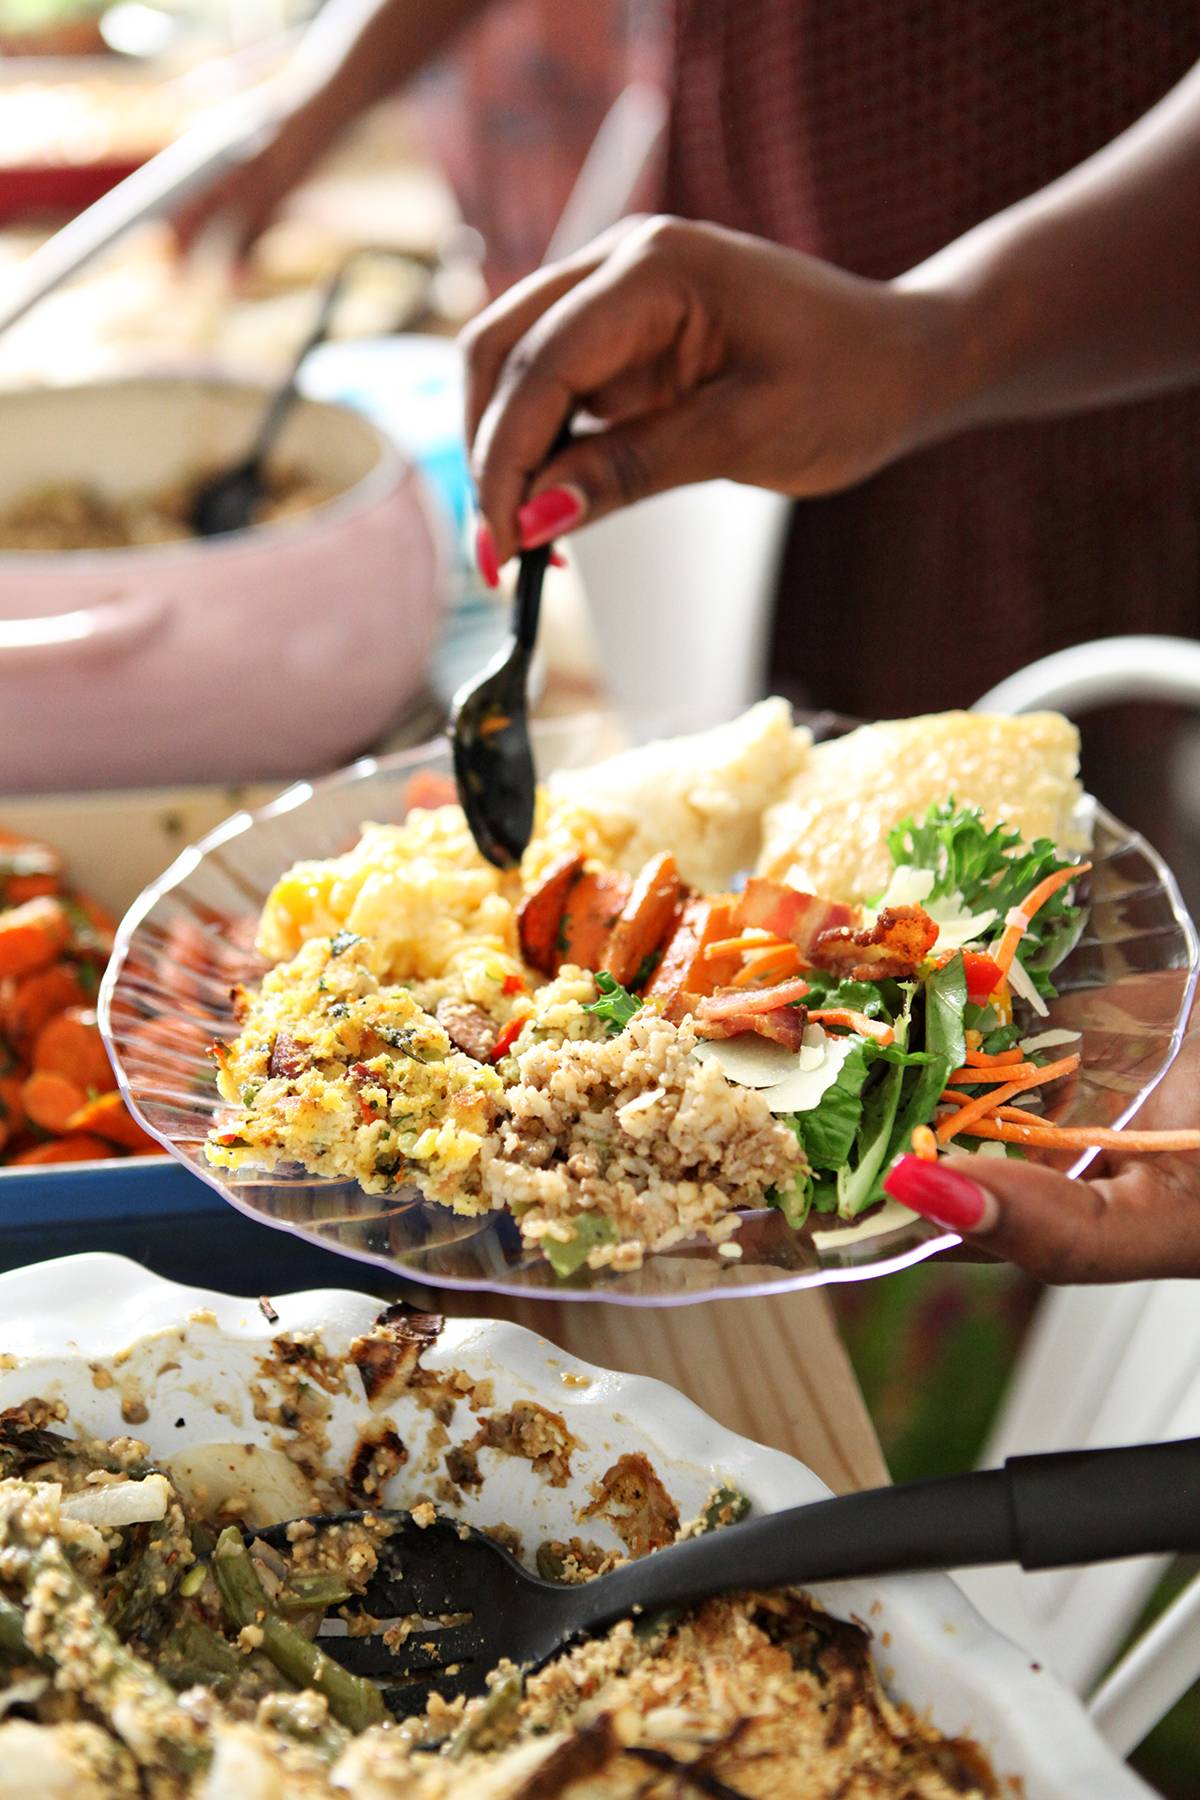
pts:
[489, 724]
[476, 1605]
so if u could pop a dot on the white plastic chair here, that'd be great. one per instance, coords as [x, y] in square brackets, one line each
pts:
[680, 587]
[1104, 1365]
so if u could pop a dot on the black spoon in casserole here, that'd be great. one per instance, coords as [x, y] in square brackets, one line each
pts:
[464, 1604]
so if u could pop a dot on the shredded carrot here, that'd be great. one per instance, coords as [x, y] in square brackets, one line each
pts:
[771, 963]
[986, 1103]
[1083, 1137]
[1020, 1113]
[1020, 919]
[972, 1077]
[997, 1059]
[735, 946]
[924, 1144]
[854, 1021]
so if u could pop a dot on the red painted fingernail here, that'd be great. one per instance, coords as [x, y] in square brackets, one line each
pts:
[941, 1194]
[485, 554]
[547, 514]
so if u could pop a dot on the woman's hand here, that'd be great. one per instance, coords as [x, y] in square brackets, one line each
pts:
[1135, 1218]
[252, 193]
[702, 353]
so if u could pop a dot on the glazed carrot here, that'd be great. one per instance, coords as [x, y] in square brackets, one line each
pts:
[539, 915]
[107, 1116]
[646, 918]
[685, 966]
[854, 1021]
[31, 1002]
[770, 964]
[594, 904]
[1084, 1137]
[50, 1100]
[72, 1149]
[28, 869]
[70, 1045]
[1020, 918]
[924, 1144]
[986, 1103]
[32, 935]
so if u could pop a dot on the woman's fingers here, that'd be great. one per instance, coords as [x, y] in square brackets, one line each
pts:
[615, 321]
[488, 339]
[1139, 1222]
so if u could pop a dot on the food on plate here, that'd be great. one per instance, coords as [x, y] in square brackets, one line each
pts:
[57, 1090]
[152, 1642]
[72, 516]
[628, 1053]
[827, 830]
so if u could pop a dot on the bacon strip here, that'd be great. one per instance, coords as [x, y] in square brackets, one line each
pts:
[788, 913]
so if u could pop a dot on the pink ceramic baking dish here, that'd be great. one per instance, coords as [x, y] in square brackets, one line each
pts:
[277, 651]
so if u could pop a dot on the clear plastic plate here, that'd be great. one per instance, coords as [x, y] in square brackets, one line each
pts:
[1126, 987]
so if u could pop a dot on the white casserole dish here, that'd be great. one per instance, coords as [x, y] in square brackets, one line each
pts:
[60, 1320]
[276, 651]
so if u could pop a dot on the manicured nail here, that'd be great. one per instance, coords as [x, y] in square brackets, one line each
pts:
[941, 1194]
[543, 517]
[485, 554]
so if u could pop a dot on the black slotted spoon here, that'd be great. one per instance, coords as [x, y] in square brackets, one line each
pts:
[1050, 1511]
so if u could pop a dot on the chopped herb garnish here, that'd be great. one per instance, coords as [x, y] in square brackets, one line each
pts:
[342, 941]
[249, 1093]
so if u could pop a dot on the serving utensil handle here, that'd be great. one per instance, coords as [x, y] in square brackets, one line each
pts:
[1051, 1511]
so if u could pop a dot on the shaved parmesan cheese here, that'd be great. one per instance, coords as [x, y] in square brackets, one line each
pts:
[802, 1089]
[985, 1147]
[908, 886]
[1021, 982]
[120, 1503]
[790, 1080]
[749, 1060]
[1048, 1040]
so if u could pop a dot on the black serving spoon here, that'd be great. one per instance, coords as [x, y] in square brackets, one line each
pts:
[478, 1605]
[489, 724]
[228, 501]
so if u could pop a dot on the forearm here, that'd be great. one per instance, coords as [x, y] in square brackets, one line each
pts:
[357, 51]
[1085, 294]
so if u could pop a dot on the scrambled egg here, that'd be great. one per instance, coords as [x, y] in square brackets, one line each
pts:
[349, 1076]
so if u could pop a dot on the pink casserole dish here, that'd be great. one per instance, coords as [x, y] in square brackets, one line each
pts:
[273, 652]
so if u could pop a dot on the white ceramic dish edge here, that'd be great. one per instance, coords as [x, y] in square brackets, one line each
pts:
[59, 1317]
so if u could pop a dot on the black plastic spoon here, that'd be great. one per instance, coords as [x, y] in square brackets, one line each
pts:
[489, 724]
[479, 1605]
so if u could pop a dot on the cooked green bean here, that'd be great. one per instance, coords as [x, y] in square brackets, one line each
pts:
[195, 1653]
[354, 1702]
[91, 1658]
[312, 1590]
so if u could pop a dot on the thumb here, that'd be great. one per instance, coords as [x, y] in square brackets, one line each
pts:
[1141, 1223]
[614, 467]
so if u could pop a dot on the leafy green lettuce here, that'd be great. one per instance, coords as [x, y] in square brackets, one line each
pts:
[993, 868]
[616, 1005]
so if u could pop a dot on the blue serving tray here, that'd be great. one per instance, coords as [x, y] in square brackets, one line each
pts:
[160, 1214]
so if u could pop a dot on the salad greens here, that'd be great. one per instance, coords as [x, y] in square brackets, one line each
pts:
[866, 1118]
[993, 868]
